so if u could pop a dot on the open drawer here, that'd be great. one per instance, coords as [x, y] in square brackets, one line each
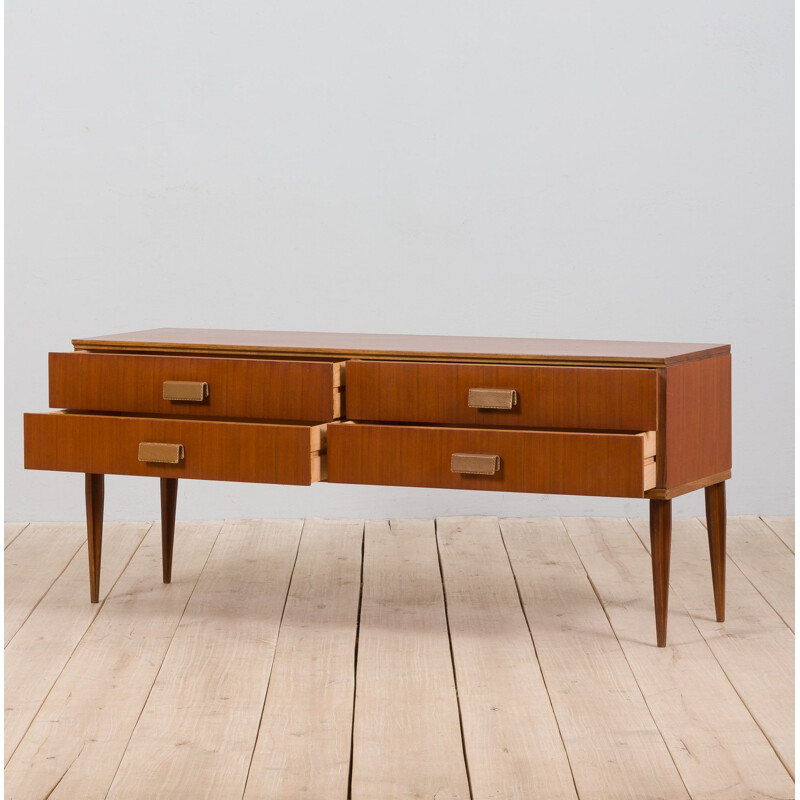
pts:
[175, 448]
[197, 386]
[543, 462]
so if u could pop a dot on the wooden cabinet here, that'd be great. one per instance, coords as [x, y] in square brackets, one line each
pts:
[625, 419]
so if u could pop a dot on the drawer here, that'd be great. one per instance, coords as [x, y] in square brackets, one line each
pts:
[593, 398]
[545, 462]
[223, 451]
[234, 387]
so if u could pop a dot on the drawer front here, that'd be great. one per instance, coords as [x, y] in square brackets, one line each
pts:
[171, 448]
[592, 398]
[211, 387]
[546, 462]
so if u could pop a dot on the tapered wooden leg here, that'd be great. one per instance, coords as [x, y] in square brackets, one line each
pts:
[716, 523]
[169, 501]
[660, 542]
[95, 493]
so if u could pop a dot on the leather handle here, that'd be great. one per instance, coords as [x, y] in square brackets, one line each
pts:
[193, 391]
[504, 399]
[160, 453]
[474, 464]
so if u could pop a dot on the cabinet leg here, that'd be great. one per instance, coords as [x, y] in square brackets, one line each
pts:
[169, 501]
[95, 493]
[660, 543]
[716, 523]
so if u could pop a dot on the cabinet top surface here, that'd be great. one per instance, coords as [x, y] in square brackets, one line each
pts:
[399, 347]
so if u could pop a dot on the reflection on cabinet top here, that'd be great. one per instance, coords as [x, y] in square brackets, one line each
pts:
[405, 347]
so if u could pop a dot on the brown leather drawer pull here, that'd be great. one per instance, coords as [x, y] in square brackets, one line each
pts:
[474, 464]
[160, 453]
[194, 391]
[492, 398]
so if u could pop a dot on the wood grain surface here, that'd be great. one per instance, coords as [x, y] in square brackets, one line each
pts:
[531, 461]
[512, 740]
[697, 420]
[225, 451]
[406, 711]
[303, 747]
[547, 397]
[194, 738]
[78, 738]
[237, 387]
[373, 345]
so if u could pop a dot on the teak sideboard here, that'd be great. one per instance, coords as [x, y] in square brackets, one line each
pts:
[617, 419]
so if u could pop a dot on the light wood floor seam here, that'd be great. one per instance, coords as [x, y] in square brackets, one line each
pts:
[38, 645]
[462, 657]
[453, 663]
[533, 643]
[161, 663]
[630, 667]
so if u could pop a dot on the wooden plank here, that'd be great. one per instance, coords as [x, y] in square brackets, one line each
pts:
[783, 527]
[604, 720]
[766, 562]
[753, 646]
[32, 562]
[513, 746]
[716, 745]
[11, 530]
[36, 655]
[78, 738]
[303, 746]
[196, 733]
[406, 734]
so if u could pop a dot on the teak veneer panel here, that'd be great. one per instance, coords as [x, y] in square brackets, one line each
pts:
[548, 462]
[697, 420]
[404, 347]
[547, 397]
[238, 387]
[224, 451]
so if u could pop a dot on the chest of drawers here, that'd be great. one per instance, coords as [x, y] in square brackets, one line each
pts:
[621, 419]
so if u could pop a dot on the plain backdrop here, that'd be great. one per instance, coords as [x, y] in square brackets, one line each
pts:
[568, 169]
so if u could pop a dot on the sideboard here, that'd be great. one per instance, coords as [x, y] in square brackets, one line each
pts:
[619, 419]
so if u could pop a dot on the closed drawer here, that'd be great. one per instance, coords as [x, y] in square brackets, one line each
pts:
[546, 462]
[223, 451]
[544, 397]
[234, 387]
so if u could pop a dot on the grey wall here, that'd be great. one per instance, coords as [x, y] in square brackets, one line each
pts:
[617, 170]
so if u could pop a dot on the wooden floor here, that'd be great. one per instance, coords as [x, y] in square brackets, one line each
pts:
[461, 658]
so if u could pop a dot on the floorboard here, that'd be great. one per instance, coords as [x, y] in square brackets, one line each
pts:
[11, 530]
[196, 733]
[513, 744]
[766, 563]
[303, 746]
[468, 657]
[78, 738]
[783, 527]
[36, 655]
[406, 733]
[719, 750]
[753, 646]
[604, 720]
[32, 563]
